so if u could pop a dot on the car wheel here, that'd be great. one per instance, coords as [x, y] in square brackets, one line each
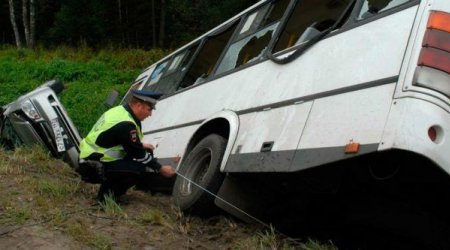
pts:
[201, 167]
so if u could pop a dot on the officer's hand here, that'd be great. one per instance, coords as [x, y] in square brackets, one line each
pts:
[167, 171]
[177, 159]
[149, 147]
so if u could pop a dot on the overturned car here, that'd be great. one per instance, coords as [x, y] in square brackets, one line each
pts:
[38, 117]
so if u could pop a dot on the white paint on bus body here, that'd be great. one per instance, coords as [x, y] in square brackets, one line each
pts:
[382, 49]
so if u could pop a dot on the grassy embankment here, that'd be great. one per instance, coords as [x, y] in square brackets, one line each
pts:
[88, 76]
[44, 202]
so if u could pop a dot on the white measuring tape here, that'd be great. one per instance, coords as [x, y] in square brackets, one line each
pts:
[224, 201]
[238, 209]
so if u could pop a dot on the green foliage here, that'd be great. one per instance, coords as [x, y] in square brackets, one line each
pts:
[190, 19]
[56, 189]
[88, 76]
[270, 239]
[15, 216]
[122, 24]
[79, 19]
[314, 245]
[45, 192]
[82, 233]
[111, 208]
[154, 217]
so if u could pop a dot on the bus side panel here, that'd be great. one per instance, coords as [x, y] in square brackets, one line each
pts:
[441, 5]
[348, 61]
[334, 122]
[170, 143]
[407, 129]
[371, 52]
[417, 109]
[273, 134]
[363, 54]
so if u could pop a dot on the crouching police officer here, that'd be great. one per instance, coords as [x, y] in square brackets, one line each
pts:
[114, 146]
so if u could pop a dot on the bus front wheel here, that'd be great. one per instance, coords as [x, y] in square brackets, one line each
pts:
[200, 177]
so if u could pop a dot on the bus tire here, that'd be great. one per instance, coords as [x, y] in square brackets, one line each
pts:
[202, 166]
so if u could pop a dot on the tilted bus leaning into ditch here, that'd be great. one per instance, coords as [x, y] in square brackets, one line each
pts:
[291, 99]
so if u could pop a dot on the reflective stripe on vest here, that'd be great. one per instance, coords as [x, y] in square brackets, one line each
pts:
[108, 120]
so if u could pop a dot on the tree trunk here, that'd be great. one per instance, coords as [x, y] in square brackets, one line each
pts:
[128, 40]
[162, 24]
[137, 38]
[153, 25]
[12, 17]
[32, 24]
[26, 22]
[119, 6]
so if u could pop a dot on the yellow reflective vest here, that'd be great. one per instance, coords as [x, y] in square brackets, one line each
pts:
[108, 120]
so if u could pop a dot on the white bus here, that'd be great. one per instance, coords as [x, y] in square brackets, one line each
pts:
[301, 97]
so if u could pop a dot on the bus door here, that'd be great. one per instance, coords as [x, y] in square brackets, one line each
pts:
[270, 142]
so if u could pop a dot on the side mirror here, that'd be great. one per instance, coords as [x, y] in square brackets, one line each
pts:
[111, 99]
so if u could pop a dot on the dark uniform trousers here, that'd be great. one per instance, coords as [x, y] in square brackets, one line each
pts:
[120, 175]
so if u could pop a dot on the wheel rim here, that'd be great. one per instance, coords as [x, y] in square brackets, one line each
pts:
[196, 172]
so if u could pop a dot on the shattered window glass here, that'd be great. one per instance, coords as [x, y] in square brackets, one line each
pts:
[254, 36]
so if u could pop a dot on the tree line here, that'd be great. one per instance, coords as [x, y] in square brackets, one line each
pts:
[118, 23]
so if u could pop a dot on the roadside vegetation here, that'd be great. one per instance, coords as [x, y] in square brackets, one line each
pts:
[88, 76]
[43, 201]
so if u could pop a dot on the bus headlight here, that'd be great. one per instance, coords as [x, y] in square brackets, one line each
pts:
[29, 109]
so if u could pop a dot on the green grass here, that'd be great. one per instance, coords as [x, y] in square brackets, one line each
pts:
[81, 231]
[154, 217]
[267, 239]
[44, 194]
[315, 245]
[15, 216]
[270, 239]
[88, 76]
[56, 189]
[45, 191]
[111, 208]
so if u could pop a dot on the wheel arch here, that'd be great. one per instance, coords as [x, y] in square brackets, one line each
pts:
[224, 123]
[418, 166]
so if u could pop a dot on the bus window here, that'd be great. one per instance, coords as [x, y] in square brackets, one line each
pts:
[254, 36]
[373, 7]
[128, 95]
[207, 58]
[309, 17]
[157, 73]
[176, 69]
